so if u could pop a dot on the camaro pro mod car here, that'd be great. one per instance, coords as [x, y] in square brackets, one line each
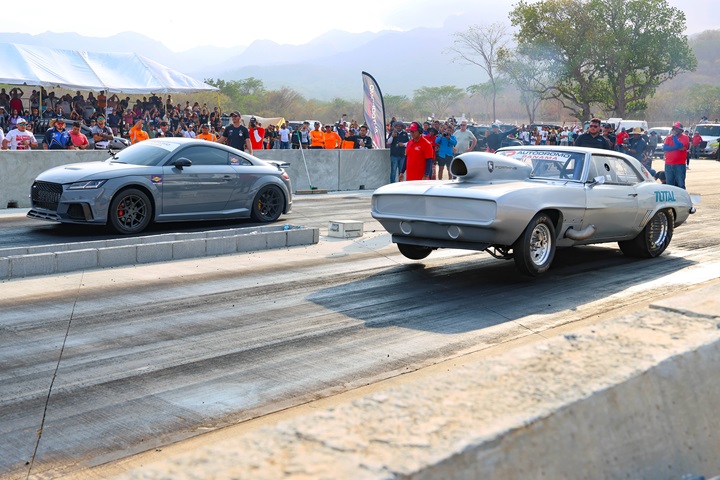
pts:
[524, 202]
[163, 180]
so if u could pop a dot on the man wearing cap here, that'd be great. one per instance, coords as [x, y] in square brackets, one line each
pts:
[420, 154]
[102, 134]
[236, 135]
[56, 138]
[676, 146]
[466, 140]
[257, 134]
[332, 140]
[78, 139]
[205, 133]
[20, 138]
[317, 137]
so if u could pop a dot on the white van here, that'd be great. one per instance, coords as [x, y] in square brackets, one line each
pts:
[620, 123]
[709, 133]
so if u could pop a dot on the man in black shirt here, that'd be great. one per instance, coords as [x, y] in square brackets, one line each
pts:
[494, 140]
[362, 141]
[397, 141]
[236, 135]
[592, 138]
[609, 134]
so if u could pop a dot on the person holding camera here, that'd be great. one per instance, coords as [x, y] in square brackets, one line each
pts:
[257, 134]
[446, 142]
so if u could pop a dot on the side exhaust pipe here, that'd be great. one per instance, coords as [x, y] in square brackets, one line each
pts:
[583, 234]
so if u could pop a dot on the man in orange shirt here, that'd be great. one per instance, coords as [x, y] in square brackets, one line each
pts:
[317, 137]
[205, 133]
[137, 134]
[332, 139]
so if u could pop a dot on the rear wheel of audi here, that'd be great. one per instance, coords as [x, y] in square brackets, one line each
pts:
[130, 212]
[268, 204]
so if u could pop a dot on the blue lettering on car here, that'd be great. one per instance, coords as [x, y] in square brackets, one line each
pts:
[664, 196]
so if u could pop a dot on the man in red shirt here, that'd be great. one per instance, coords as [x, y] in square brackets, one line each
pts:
[621, 138]
[420, 154]
[78, 139]
[696, 141]
[676, 146]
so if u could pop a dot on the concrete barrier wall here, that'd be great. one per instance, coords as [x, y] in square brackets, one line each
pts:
[328, 169]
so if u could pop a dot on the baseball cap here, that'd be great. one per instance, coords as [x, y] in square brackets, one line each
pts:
[235, 114]
[677, 125]
[414, 127]
[20, 120]
[60, 120]
[495, 126]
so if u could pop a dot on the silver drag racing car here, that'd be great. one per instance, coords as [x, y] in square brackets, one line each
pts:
[524, 202]
[163, 180]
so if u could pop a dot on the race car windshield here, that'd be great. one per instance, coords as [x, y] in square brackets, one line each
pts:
[143, 154]
[708, 130]
[550, 164]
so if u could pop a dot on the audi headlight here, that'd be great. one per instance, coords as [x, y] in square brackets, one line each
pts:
[89, 185]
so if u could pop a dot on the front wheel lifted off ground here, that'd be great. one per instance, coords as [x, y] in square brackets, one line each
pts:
[130, 211]
[653, 239]
[268, 204]
[534, 251]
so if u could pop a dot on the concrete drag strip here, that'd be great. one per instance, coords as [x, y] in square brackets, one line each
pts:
[632, 397]
[68, 257]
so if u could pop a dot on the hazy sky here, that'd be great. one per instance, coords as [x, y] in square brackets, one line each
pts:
[181, 25]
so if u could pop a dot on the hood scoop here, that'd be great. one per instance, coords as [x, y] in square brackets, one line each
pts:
[479, 167]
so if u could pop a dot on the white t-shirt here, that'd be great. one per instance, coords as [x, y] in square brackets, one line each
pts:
[284, 134]
[16, 139]
[544, 135]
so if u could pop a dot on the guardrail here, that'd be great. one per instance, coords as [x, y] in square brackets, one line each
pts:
[335, 170]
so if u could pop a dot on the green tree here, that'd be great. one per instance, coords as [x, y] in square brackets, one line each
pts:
[614, 53]
[437, 100]
[530, 75]
[561, 34]
[479, 45]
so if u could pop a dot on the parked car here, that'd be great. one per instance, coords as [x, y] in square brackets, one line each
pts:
[661, 132]
[479, 132]
[523, 203]
[163, 180]
[710, 133]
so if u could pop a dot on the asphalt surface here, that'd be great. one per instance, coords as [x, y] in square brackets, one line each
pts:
[107, 363]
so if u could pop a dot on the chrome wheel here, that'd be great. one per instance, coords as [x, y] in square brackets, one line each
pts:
[534, 251]
[540, 243]
[657, 232]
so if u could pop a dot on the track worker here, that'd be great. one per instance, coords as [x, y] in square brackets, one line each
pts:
[420, 154]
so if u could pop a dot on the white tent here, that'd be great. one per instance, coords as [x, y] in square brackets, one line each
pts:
[114, 72]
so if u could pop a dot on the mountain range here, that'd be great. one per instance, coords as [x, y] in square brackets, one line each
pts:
[325, 68]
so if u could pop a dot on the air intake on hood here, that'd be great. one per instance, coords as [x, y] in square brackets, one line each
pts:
[488, 167]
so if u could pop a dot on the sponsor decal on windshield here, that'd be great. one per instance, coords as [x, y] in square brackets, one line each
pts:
[169, 146]
[525, 155]
[156, 179]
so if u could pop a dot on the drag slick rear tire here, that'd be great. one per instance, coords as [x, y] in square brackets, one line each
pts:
[414, 252]
[653, 239]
